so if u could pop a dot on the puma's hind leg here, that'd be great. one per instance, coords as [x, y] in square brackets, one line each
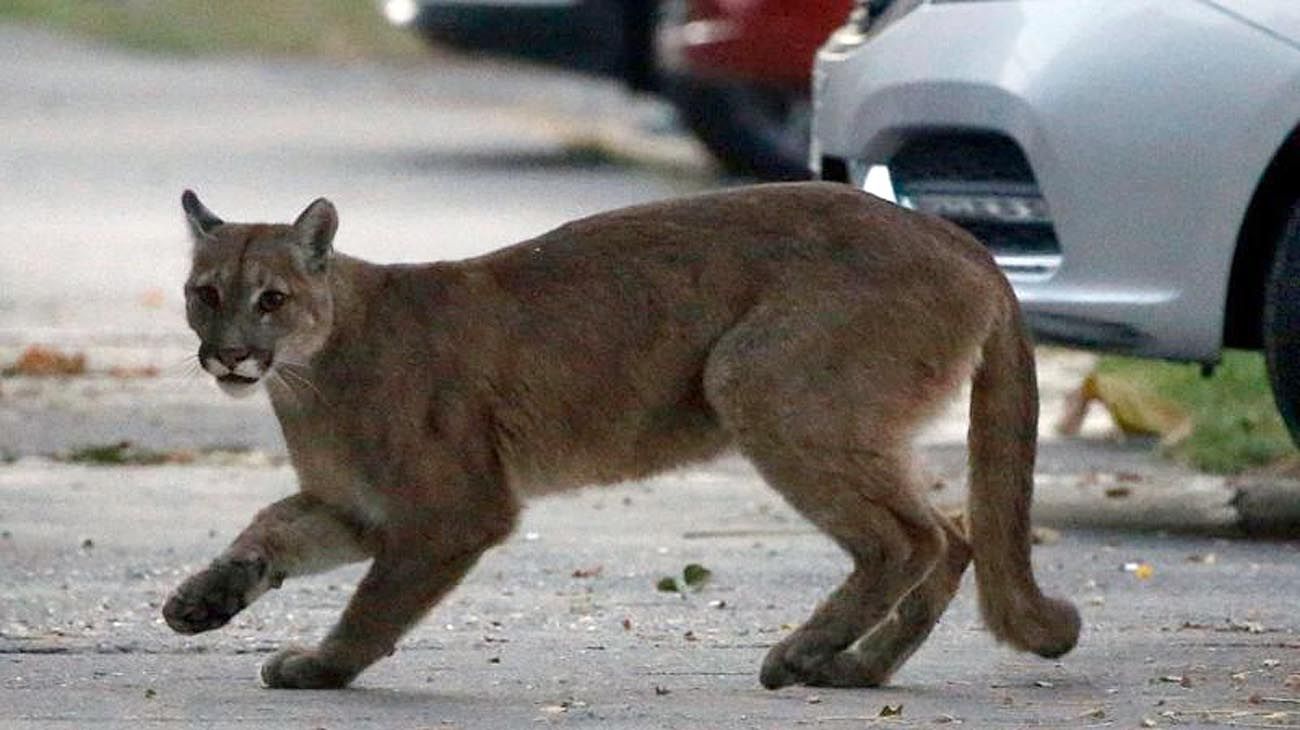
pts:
[895, 545]
[296, 536]
[826, 413]
[875, 658]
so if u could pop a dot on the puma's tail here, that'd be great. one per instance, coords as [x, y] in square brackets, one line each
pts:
[1003, 441]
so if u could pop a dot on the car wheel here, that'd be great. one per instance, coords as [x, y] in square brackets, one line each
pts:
[1282, 324]
[751, 130]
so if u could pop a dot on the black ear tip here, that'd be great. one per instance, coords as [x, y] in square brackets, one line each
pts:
[188, 198]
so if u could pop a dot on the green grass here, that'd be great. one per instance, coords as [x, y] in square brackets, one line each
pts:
[1237, 426]
[337, 29]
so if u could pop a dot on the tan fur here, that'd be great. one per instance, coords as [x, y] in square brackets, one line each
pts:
[810, 326]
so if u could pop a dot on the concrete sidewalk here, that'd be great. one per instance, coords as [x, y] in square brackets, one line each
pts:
[564, 625]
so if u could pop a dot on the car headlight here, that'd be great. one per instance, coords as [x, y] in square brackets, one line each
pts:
[867, 18]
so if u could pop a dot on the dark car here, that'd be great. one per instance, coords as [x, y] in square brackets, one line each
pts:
[738, 72]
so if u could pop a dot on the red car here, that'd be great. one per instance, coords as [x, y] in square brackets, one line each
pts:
[738, 70]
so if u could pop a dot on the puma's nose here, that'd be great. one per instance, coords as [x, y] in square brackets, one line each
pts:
[232, 356]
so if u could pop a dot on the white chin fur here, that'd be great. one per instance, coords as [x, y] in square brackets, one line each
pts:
[237, 390]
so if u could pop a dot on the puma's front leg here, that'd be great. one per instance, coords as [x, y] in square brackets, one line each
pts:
[420, 560]
[295, 536]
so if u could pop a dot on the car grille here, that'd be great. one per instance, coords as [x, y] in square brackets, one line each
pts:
[982, 182]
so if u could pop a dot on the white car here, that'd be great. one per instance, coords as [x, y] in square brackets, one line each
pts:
[1134, 165]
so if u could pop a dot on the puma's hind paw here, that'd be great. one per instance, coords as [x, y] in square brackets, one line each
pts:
[797, 659]
[299, 668]
[811, 658]
[210, 598]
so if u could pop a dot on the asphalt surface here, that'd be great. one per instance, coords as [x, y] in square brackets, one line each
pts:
[562, 625]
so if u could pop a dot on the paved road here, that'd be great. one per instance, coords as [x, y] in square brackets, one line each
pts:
[562, 625]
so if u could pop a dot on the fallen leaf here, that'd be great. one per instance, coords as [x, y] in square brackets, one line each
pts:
[667, 584]
[38, 361]
[661, 691]
[627, 624]
[1134, 410]
[1118, 492]
[591, 572]
[891, 711]
[696, 575]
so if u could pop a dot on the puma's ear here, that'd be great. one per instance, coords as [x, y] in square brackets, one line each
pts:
[316, 227]
[201, 220]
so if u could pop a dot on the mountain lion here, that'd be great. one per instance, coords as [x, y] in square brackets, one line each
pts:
[809, 326]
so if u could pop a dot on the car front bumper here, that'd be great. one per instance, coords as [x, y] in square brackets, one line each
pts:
[1145, 125]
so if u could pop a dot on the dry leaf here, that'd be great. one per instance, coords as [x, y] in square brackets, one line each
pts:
[891, 711]
[1135, 411]
[38, 361]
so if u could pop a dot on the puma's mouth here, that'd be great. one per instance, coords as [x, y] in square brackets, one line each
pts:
[237, 386]
[234, 379]
[236, 370]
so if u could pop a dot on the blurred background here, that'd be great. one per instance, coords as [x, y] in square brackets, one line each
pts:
[443, 129]
[112, 108]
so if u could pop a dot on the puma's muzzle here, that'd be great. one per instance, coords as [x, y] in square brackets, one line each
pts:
[235, 368]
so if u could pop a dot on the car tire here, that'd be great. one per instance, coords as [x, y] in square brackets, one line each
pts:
[751, 130]
[1281, 324]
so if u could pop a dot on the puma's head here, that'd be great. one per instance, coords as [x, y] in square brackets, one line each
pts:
[258, 295]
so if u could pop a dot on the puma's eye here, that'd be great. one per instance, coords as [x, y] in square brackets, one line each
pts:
[271, 301]
[208, 295]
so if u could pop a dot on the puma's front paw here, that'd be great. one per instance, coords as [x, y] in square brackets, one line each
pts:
[209, 599]
[298, 668]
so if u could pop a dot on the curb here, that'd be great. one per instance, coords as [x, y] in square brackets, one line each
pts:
[1268, 508]
[1191, 504]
